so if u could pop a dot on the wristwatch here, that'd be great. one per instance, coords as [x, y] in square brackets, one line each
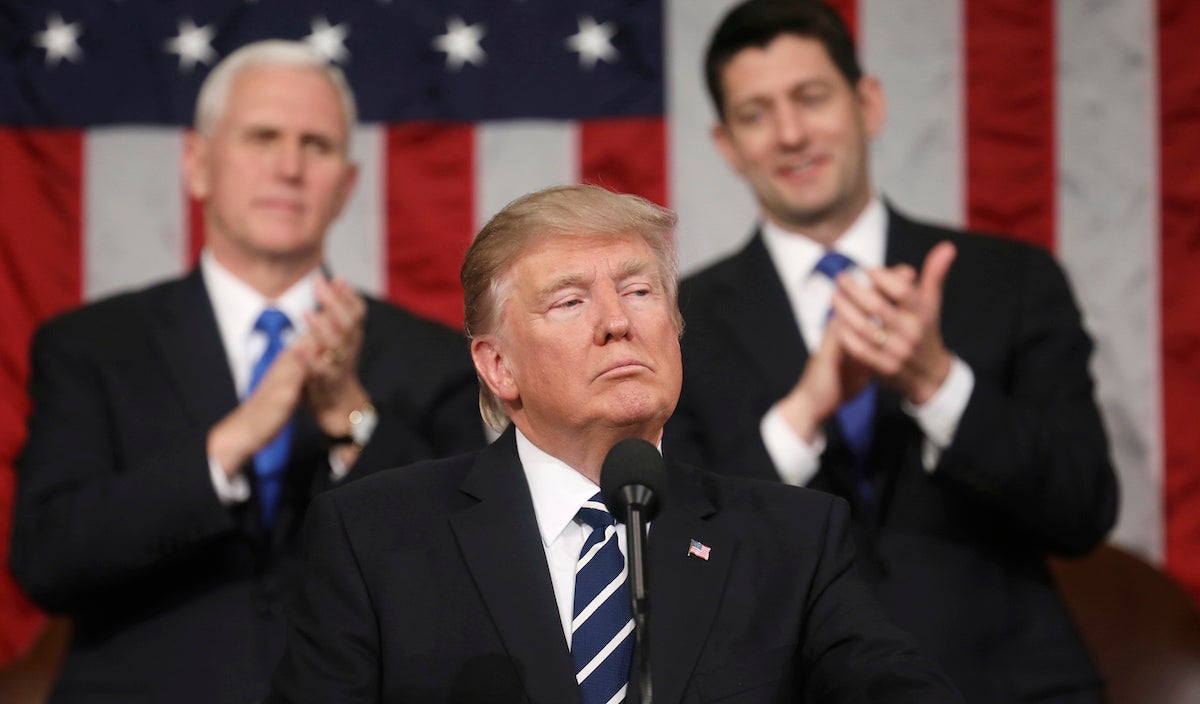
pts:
[362, 424]
[362, 421]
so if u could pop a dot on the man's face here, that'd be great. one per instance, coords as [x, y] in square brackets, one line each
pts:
[797, 132]
[274, 173]
[586, 339]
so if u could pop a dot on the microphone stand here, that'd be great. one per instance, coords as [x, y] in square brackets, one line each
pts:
[637, 497]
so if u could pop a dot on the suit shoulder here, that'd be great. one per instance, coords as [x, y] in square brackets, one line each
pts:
[412, 490]
[721, 273]
[391, 314]
[755, 500]
[973, 244]
[115, 317]
[391, 322]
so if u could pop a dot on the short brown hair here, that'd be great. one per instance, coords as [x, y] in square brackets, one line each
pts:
[756, 23]
[575, 211]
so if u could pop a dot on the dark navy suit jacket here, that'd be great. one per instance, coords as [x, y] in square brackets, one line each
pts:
[174, 597]
[956, 556]
[430, 584]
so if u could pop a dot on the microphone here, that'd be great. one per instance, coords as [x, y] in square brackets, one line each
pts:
[633, 481]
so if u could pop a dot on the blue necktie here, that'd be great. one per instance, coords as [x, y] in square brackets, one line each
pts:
[856, 416]
[270, 463]
[602, 623]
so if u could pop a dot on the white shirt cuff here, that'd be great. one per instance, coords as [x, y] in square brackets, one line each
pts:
[796, 460]
[939, 417]
[337, 468]
[230, 490]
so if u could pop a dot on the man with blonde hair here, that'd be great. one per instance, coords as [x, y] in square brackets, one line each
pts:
[499, 576]
[178, 433]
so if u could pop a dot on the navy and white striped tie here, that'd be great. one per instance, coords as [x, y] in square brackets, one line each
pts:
[602, 625]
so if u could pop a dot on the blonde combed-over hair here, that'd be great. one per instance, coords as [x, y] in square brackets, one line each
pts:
[571, 211]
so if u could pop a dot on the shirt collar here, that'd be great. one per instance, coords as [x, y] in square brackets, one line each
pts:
[795, 257]
[237, 305]
[557, 490]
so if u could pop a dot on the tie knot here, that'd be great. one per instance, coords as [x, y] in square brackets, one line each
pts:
[273, 322]
[595, 514]
[834, 263]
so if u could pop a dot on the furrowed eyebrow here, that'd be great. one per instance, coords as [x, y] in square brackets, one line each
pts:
[628, 269]
[560, 283]
[636, 267]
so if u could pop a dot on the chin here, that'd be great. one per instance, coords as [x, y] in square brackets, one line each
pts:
[289, 247]
[641, 413]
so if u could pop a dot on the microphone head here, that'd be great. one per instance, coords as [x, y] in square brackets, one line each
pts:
[633, 473]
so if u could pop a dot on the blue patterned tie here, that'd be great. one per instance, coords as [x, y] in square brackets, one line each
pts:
[602, 625]
[270, 463]
[856, 416]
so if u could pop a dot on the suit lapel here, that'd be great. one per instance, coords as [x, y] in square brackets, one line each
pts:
[190, 342]
[765, 326]
[187, 333]
[502, 548]
[906, 244]
[762, 321]
[685, 590]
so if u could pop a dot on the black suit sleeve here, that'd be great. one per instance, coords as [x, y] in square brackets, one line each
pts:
[688, 435]
[114, 489]
[850, 652]
[333, 634]
[88, 515]
[1031, 442]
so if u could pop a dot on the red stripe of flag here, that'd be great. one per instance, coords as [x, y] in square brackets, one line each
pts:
[429, 216]
[1179, 257]
[41, 273]
[627, 155]
[194, 217]
[1011, 166]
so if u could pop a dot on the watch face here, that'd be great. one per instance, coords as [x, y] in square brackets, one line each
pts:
[362, 424]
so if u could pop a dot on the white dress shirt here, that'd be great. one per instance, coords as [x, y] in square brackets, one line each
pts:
[237, 306]
[558, 491]
[810, 293]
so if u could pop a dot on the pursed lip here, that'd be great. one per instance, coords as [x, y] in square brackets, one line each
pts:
[281, 204]
[622, 366]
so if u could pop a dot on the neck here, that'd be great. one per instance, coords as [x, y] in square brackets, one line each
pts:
[824, 227]
[269, 276]
[586, 454]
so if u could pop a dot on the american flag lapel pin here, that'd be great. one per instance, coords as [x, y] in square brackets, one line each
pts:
[698, 549]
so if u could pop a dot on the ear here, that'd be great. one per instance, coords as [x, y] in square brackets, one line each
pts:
[874, 106]
[492, 367]
[724, 141]
[196, 173]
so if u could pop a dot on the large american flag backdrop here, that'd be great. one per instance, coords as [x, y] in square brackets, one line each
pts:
[1074, 123]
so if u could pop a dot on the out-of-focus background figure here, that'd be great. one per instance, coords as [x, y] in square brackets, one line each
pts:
[179, 432]
[936, 379]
